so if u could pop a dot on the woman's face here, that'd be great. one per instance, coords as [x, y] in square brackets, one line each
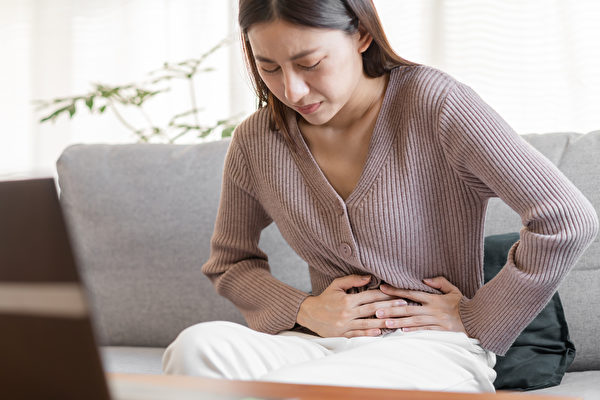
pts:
[311, 70]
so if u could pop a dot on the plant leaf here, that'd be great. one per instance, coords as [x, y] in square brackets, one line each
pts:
[227, 132]
[89, 102]
[55, 114]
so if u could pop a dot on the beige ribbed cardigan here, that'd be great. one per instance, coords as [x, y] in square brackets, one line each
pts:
[438, 152]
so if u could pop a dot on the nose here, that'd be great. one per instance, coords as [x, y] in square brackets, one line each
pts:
[295, 87]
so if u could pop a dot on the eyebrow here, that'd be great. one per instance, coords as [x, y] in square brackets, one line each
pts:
[294, 57]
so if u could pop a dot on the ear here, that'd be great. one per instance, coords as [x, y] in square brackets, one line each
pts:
[364, 38]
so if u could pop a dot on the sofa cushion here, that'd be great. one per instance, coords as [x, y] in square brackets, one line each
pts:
[132, 360]
[582, 385]
[542, 352]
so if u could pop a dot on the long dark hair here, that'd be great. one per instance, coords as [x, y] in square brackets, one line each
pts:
[345, 15]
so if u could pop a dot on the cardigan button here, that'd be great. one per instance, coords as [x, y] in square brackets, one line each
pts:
[345, 249]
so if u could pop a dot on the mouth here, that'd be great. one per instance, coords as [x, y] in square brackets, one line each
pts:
[308, 109]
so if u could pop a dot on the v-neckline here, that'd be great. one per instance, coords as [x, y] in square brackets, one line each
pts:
[379, 146]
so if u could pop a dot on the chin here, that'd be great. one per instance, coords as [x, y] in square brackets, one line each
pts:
[319, 118]
[314, 120]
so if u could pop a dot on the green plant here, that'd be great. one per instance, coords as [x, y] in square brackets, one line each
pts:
[105, 97]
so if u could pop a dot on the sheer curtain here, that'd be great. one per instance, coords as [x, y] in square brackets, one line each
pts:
[537, 62]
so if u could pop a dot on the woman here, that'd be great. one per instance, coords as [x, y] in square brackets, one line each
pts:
[377, 172]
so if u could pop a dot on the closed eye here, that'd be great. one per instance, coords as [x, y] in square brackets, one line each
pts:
[309, 68]
[270, 71]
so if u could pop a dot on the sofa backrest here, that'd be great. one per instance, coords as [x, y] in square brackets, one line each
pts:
[142, 215]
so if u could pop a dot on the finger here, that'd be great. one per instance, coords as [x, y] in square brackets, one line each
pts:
[402, 311]
[424, 328]
[371, 296]
[415, 295]
[440, 283]
[346, 282]
[369, 310]
[367, 332]
[411, 322]
[366, 324]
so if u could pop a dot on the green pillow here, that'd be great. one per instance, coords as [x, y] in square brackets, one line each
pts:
[542, 352]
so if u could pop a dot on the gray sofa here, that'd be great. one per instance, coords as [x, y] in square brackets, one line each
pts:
[141, 217]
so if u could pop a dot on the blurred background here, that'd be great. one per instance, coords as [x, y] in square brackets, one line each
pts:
[537, 62]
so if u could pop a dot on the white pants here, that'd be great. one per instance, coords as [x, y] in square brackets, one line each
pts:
[420, 360]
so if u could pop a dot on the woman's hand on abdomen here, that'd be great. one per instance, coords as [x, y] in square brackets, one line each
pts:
[436, 312]
[335, 313]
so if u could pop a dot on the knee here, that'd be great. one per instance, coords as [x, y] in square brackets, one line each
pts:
[204, 333]
[187, 354]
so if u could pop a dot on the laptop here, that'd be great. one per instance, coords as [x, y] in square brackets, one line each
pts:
[47, 344]
[47, 341]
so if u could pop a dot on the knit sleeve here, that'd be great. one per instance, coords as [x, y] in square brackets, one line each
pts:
[559, 223]
[237, 267]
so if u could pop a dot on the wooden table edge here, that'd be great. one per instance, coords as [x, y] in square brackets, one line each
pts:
[300, 391]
